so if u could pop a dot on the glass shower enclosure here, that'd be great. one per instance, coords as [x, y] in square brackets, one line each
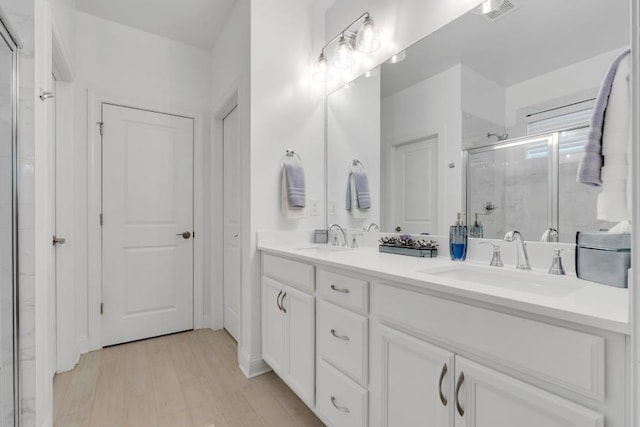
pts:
[529, 184]
[9, 401]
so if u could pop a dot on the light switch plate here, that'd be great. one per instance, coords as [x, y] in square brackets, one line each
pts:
[333, 207]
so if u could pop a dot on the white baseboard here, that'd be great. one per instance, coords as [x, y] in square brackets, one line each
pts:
[252, 366]
[82, 347]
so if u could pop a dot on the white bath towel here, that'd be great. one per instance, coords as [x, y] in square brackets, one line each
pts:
[613, 202]
[288, 211]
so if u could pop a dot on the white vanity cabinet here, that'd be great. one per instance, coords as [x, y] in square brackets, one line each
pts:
[486, 398]
[412, 380]
[288, 326]
[363, 351]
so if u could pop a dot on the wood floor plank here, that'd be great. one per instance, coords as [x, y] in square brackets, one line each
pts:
[140, 402]
[108, 404]
[60, 386]
[78, 402]
[182, 380]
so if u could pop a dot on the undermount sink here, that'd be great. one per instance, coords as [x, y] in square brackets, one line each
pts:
[324, 249]
[522, 281]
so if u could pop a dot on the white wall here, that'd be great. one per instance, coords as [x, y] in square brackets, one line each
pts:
[229, 83]
[134, 68]
[482, 97]
[401, 22]
[287, 111]
[353, 132]
[64, 13]
[432, 107]
[580, 78]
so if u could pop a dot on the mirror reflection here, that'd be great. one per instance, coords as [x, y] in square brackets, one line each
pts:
[487, 116]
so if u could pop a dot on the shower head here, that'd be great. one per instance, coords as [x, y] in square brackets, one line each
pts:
[502, 137]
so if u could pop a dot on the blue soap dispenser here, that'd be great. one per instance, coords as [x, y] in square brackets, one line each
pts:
[458, 239]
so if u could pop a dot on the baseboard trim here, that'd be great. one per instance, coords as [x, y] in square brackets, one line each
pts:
[252, 366]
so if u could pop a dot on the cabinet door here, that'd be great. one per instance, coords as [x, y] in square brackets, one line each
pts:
[301, 338]
[274, 346]
[411, 381]
[486, 398]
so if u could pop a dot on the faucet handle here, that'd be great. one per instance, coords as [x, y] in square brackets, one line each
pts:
[556, 266]
[496, 260]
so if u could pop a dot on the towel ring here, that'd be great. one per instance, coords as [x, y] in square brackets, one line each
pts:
[290, 154]
[357, 164]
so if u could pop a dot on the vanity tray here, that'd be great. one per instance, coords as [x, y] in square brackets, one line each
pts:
[411, 251]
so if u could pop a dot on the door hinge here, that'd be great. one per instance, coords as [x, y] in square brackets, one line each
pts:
[101, 220]
[101, 308]
[101, 124]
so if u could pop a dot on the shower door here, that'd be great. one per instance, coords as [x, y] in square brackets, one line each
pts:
[510, 186]
[8, 231]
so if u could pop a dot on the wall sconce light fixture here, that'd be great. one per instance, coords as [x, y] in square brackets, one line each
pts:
[360, 35]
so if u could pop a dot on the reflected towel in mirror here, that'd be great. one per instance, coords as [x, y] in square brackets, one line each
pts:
[362, 194]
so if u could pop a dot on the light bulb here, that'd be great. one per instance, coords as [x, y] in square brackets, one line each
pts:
[344, 55]
[367, 39]
[321, 69]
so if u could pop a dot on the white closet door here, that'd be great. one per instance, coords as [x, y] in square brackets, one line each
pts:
[147, 167]
[232, 249]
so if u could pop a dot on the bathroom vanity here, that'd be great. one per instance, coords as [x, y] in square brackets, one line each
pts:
[366, 338]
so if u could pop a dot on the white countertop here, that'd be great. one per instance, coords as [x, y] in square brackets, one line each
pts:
[581, 302]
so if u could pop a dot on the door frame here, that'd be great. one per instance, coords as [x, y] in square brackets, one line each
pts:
[94, 208]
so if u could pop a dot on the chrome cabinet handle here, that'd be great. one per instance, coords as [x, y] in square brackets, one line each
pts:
[340, 337]
[458, 406]
[278, 301]
[282, 302]
[443, 398]
[339, 407]
[343, 290]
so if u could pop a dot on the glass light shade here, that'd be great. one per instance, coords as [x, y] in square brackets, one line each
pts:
[367, 40]
[321, 71]
[344, 54]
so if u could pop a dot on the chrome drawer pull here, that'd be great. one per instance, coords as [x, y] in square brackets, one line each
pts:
[338, 407]
[284, 310]
[443, 398]
[343, 290]
[278, 300]
[458, 406]
[340, 337]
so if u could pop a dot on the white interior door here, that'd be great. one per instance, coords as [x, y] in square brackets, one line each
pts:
[51, 297]
[232, 248]
[415, 186]
[147, 182]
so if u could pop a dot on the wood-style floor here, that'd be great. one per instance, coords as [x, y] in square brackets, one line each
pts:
[188, 379]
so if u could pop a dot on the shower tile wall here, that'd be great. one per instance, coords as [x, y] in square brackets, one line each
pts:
[21, 16]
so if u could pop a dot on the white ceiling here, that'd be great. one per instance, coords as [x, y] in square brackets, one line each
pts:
[541, 36]
[194, 22]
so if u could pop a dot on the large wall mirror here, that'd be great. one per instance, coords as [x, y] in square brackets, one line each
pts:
[487, 116]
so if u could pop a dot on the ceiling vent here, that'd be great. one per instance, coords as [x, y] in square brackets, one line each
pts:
[492, 10]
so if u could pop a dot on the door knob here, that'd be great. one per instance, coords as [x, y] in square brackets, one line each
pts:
[59, 240]
[185, 235]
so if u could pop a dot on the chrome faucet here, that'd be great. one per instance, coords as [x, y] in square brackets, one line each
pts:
[374, 226]
[550, 235]
[523, 258]
[335, 237]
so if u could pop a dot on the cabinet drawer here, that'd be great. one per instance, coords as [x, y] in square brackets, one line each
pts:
[292, 273]
[345, 291]
[563, 357]
[343, 340]
[340, 401]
